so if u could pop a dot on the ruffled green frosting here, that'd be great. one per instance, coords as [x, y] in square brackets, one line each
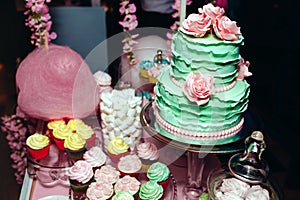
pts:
[208, 55]
[222, 111]
[123, 195]
[158, 172]
[151, 190]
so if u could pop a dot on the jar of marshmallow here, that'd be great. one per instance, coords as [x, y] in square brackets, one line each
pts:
[246, 177]
[120, 116]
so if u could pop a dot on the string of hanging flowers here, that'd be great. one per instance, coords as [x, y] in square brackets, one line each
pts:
[39, 22]
[17, 127]
[128, 23]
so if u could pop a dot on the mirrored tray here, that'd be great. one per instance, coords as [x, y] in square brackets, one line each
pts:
[234, 144]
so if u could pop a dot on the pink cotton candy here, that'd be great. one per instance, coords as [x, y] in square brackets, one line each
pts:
[56, 83]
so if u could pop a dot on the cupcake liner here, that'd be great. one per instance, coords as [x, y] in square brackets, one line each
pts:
[40, 153]
[59, 143]
[90, 142]
[116, 158]
[165, 183]
[77, 154]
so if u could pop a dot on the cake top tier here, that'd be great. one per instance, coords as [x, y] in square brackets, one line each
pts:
[211, 19]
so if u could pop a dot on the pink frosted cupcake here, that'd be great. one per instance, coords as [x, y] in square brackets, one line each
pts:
[38, 146]
[130, 165]
[99, 190]
[107, 174]
[96, 157]
[148, 154]
[128, 184]
[80, 176]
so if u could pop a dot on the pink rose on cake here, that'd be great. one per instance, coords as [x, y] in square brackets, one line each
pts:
[226, 29]
[212, 11]
[197, 24]
[198, 88]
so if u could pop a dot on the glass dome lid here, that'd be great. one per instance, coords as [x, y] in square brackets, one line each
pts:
[249, 166]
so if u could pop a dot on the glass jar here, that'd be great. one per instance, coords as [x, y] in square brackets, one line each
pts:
[246, 177]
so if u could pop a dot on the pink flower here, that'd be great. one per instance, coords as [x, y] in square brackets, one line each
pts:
[123, 6]
[212, 11]
[197, 24]
[226, 29]
[131, 8]
[243, 69]
[198, 88]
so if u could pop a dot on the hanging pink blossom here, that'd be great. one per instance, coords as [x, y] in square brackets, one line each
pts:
[38, 21]
[243, 69]
[128, 23]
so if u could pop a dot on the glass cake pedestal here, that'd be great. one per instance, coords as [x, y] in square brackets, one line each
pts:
[197, 151]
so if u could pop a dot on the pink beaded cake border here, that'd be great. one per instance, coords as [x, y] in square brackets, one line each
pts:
[216, 90]
[196, 135]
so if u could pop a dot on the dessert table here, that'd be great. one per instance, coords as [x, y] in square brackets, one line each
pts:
[34, 189]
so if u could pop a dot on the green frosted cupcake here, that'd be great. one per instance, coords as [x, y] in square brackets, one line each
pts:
[151, 190]
[123, 195]
[160, 173]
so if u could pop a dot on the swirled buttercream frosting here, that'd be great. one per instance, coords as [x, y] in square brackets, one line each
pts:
[107, 173]
[130, 163]
[75, 123]
[37, 141]
[95, 156]
[117, 146]
[74, 142]
[62, 131]
[147, 151]
[123, 196]
[99, 191]
[151, 190]
[127, 183]
[81, 171]
[54, 124]
[158, 172]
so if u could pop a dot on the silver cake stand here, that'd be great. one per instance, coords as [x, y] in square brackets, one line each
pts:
[196, 153]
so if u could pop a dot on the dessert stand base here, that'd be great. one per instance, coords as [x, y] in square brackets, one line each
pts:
[196, 154]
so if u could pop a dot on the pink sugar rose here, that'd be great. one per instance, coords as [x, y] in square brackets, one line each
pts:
[212, 11]
[226, 29]
[197, 88]
[197, 24]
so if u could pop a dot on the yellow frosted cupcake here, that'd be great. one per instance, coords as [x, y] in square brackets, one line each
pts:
[60, 134]
[83, 130]
[75, 146]
[38, 146]
[54, 124]
[116, 149]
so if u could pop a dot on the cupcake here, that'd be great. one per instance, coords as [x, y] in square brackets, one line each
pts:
[127, 184]
[80, 176]
[130, 165]
[95, 156]
[107, 174]
[54, 124]
[75, 146]
[99, 190]
[160, 173]
[38, 146]
[85, 131]
[123, 196]
[148, 154]
[116, 149]
[60, 134]
[151, 190]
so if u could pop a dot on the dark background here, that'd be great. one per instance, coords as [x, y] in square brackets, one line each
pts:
[271, 32]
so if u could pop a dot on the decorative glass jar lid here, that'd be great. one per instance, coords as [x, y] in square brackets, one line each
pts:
[247, 177]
